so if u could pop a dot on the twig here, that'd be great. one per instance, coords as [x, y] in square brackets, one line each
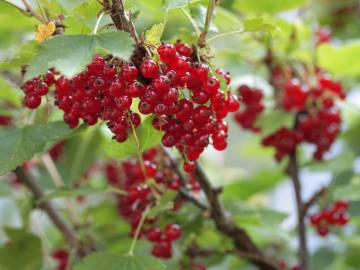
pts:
[98, 22]
[209, 14]
[32, 11]
[240, 31]
[58, 182]
[191, 20]
[293, 172]
[121, 19]
[183, 191]
[314, 198]
[225, 225]
[67, 231]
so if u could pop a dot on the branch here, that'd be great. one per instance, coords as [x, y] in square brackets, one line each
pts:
[67, 231]
[293, 172]
[314, 198]
[225, 225]
[32, 11]
[209, 14]
[183, 191]
[121, 19]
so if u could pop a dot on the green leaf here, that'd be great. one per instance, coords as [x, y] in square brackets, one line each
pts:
[323, 258]
[165, 203]
[198, 12]
[21, 144]
[246, 215]
[272, 120]
[259, 24]
[346, 58]
[9, 94]
[23, 56]
[147, 135]
[23, 251]
[174, 4]
[70, 54]
[260, 182]
[113, 261]
[119, 44]
[153, 35]
[14, 25]
[348, 192]
[80, 153]
[73, 192]
[266, 6]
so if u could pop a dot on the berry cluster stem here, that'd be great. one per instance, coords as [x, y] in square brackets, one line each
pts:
[209, 15]
[138, 230]
[293, 172]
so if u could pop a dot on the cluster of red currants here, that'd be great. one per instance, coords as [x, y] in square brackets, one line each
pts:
[317, 120]
[334, 215]
[252, 99]
[35, 88]
[130, 176]
[61, 256]
[187, 99]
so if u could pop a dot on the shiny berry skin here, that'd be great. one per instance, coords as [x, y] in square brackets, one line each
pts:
[128, 73]
[161, 84]
[97, 65]
[41, 89]
[149, 69]
[189, 167]
[212, 85]
[172, 232]
[183, 49]
[32, 101]
[167, 52]
[162, 249]
[232, 103]
[154, 235]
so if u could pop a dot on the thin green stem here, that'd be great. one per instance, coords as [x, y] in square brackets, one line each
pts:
[191, 20]
[138, 230]
[137, 141]
[240, 31]
[119, 191]
[164, 23]
[209, 15]
[98, 22]
[43, 15]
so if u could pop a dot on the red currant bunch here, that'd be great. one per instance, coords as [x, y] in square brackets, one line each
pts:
[294, 95]
[284, 140]
[317, 120]
[35, 88]
[62, 257]
[334, 215]
[131, 177]
[252, 99]
[187, 100]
